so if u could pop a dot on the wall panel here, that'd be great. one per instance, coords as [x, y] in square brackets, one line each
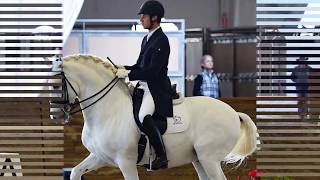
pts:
[287, 87]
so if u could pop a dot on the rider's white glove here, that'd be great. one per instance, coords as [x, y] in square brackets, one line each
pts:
[122, 73]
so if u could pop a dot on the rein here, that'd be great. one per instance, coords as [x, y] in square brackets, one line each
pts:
[72, 106]
[70, 110]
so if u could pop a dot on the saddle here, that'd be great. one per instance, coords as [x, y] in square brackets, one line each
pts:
[175, 94]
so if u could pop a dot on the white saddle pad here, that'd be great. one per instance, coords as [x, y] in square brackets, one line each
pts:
[179, 122]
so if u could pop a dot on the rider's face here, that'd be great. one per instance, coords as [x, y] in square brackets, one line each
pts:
[145, 21]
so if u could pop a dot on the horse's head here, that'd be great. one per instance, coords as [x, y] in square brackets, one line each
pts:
[70, 91]
[90, 80]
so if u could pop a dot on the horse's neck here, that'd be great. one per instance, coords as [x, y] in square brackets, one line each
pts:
[113, 108]
[111, 118]
[109, 105]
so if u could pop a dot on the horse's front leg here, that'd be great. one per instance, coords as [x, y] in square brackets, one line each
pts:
[88, 164]
[128, 168]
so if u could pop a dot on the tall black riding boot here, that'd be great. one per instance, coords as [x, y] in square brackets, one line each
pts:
[156, 141]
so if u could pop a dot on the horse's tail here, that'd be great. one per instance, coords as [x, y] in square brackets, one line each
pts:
[247, 141]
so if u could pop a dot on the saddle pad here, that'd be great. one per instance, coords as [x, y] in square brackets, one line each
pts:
[179, 122]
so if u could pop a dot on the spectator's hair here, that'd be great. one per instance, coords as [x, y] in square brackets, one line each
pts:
[204, 57]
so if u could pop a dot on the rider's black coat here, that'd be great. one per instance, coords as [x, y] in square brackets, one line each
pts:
[152, 67]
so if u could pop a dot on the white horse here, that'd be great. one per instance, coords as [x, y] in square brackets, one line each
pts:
[215, 132]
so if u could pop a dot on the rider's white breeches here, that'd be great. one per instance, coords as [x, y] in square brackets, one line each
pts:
[147, 105]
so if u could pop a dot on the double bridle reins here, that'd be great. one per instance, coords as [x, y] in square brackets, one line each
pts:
[69, 108]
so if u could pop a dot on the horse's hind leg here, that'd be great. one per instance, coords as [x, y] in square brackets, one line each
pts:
[88, 164]
[213, 169]
[200, 171]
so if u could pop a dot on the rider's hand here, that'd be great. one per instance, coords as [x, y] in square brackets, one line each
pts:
[122, 73]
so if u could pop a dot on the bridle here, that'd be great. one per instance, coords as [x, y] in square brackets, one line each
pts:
[70, 108]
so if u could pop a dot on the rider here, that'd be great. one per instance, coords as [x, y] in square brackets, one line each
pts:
[151, 70]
